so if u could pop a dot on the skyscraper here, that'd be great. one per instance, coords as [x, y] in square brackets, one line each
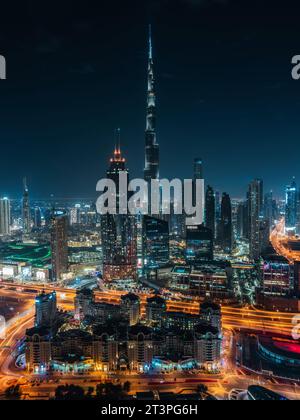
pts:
[210, 210]
[4, 216]
[156, 247]
[151, 170]
[37, 217]
[226, 223]
[118, 230]
[45, 309]
[291, 202]
[59, 244]
[255, 206]
[26, 209]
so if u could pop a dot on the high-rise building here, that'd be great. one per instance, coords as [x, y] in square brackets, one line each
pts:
[131, 308]
[26, 216]
[151, 147]
[75, 215]
[242, 224]
[156, 247]
[59, 244]
[225, 238]
[45, 309]
[118, 231]
[255, 206]
[37, 217]
[4, 216]
[291, 202]
[199, 244]
[211, 313]
[156, 310]
[210, 210]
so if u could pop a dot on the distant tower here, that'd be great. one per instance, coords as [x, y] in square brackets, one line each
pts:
[26, 209]
[151, 147]
[291, 202]
[255, 208]
[59, 244]
[226, 223]
[210, 210]
[4, 217]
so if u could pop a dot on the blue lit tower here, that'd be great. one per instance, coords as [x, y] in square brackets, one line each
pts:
[151, 170]
[291, 207]
[26, 209]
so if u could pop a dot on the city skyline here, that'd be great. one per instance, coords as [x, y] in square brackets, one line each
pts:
[200, 77]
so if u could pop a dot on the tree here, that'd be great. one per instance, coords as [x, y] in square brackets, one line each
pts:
[127, 387]
[13, 392]
[109, 391]
[202, 389]
[69, 392]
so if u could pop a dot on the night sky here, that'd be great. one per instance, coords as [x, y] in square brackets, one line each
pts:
[77, 71]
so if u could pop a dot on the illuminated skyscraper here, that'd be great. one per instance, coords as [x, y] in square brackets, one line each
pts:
[118, 230]
[210, 210]
[37, 217]
[151, 170]
[291, 202]
[45, 309]
[59, 244]
[255, 206]
[156, 247]
[226, 224]
[26, 209]
[4, 217]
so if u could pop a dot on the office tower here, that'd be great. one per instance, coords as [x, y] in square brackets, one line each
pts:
[207, 346]
[255, 206]
[156, 248]
[59, 244]
[242, 224]
[211, 313]
[225, 238]
[199, 244]
[156, 311]
[4, 216]
[37, 217]
[151, 170]
[210, 210]
[45, 309]
[131, 308]
[218, 214]
[291, 201]
[26, 209]
[140, 348]
[269, 208]
[75, 215]
[118, 231]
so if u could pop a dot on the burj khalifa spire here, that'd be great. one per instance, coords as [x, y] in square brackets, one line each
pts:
[151, 145]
